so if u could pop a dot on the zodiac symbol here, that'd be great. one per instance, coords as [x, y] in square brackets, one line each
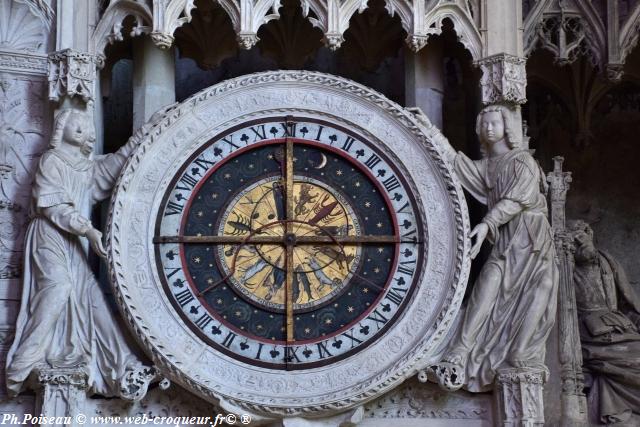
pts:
[241, 225]
[305, 197]
[334, 230]
[338, 256]
[325, 211]
[321, 276]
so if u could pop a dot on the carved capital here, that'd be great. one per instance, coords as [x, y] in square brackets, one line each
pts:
[247, 40]
[520, 396]
[504, 79]
[76, 377]
[614, 72]
[72, 73]
[416, 41]
[333, 40]
[162, 40]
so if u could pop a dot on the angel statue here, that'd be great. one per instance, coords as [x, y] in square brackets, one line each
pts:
[512, 305]
[64, 319]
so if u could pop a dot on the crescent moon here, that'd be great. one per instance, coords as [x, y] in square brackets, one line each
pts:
[323, 163]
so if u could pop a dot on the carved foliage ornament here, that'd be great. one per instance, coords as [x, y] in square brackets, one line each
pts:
[243, 188]
[504, 79]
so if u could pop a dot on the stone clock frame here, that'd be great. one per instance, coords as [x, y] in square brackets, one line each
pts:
[407, 347]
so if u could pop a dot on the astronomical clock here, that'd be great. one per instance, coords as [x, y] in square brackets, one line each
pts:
[288, 243]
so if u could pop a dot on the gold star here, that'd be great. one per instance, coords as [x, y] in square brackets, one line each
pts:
[365, 290]
[251, 166]
[200, 213]
[199, 234]
[307, 331]
[357, 184]
[214, 196]
[350, 309]
[380, 250]
[379, 225]
[219, 301]
[238, 314]
[328, 321]
[270, 156]
[367, 204]
[259, 327]
[210, 281]
[197, 260]
[376, 270]
[338, 172]
[227, 175]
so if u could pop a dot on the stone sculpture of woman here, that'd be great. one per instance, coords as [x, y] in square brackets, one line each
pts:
[512, 305]
[64, 319]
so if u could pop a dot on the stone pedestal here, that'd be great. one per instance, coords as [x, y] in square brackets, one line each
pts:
[62, 395]
[519, 397]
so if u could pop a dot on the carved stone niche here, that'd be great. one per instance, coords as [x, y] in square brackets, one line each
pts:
[504, 79]
[209, 38]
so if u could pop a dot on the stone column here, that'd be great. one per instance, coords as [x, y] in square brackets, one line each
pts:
[424, 81]
[519, 397]
[153, 79]
[573, 401]
[62, 395]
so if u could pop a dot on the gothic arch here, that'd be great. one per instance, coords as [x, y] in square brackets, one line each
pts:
[110, 26]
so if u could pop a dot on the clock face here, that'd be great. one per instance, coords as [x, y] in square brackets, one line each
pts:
[289, 243]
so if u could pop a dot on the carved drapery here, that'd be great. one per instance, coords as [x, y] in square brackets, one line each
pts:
[161, 18]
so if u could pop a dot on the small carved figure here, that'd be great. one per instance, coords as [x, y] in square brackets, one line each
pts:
[64, 319]
[513, 302]
[609, 318]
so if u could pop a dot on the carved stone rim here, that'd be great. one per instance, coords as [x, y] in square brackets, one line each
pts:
[405, 365]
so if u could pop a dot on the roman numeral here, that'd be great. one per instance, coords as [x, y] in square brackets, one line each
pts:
[402, 268]
[391, 183]
[320, 129]
[348, 143]
[187, 182]
[173, 271]
[402, 209]
[229, 339]
[372, 161]
[260, 132]
[396, 295]
[173, 208]
[184, 297]
[378, 317]
[290, 354]
[203, 321]
[409, 234]
[204, 163]
[289, 129]
[354, 341]
[322, 350]
[259, 351]
[229, 140]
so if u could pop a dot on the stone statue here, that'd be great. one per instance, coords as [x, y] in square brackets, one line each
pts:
[513, 303]
[609, 318]
[64, 320]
